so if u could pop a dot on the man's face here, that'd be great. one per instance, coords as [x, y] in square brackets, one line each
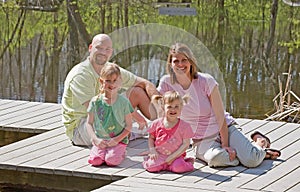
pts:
[100, 51]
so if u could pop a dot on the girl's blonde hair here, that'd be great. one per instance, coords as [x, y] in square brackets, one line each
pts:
[169, 97]
[108, 70]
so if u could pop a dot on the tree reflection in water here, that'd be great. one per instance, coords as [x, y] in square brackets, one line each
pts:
[253, 43]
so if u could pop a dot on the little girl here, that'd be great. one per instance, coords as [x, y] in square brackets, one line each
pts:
[109, 120]
[169, 137]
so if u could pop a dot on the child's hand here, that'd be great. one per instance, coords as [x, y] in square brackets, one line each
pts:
[140, 120]
[111, 143]
[100, 143]
[142, 124]
[153, 154]
[169, 160]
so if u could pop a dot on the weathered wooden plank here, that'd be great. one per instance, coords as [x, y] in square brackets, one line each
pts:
[281, 133]
[288, 182]
[277, 180]
[5, 102]
[269, 127]
[15, 109]
[35, 153]
[132, 171]
[14, 153]
[57, 163]
[140, 184]
[295, 188]
[31, 141]
[48, 163]
[33, 111]
[10, 104]
[72, 167]
[243, 121]
[43, 128]
[223, 175]
[249, 175]
[40, 118]
[252, 125]
[52, 153]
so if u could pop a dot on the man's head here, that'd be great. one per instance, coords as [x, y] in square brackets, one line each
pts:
[100, 49]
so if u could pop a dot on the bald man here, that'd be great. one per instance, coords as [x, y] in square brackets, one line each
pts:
[82, 83]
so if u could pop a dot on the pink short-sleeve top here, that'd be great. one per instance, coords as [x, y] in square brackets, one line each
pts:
[198, 112]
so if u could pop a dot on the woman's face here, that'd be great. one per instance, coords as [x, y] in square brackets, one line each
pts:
[180, 65]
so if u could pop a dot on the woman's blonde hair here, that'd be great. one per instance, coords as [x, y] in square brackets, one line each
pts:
[180, 48]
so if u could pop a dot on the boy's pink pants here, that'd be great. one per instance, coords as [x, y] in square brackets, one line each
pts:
[179, 165]
[112, 156]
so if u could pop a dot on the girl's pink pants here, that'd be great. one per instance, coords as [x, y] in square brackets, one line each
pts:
[179, 165]
[112, 156]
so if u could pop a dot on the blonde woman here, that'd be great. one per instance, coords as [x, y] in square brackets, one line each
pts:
[217, 139]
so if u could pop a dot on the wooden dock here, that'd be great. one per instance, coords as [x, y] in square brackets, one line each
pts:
[50, 153]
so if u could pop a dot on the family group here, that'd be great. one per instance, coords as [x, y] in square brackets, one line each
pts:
[185, 109]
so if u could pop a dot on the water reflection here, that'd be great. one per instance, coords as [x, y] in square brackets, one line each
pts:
[248, 78]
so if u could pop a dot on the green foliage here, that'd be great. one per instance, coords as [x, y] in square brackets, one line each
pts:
[241, 13]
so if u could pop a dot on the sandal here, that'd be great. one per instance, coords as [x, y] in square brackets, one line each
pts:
[262, 135]
[272, 153]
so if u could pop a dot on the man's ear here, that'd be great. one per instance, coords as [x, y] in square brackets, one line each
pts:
[100, 80]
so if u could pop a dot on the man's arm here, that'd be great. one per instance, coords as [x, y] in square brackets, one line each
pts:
[149, 87]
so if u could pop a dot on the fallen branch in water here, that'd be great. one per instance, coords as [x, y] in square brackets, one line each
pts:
[284, 109]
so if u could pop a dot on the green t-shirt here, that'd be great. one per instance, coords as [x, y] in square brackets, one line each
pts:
[109, 120]
[81, 84]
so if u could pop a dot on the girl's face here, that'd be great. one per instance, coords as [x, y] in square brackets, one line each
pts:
[181, 65]
[173, 109]
[111, 84]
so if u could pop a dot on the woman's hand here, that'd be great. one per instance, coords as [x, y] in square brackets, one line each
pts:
[231, 152]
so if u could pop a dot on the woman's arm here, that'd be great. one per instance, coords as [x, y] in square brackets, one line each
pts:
[217, 105]
[184, 146]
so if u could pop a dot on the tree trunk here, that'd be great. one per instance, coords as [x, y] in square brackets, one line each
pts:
[75, 17]
[73, 36]
[269, 69]
[51, 91]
